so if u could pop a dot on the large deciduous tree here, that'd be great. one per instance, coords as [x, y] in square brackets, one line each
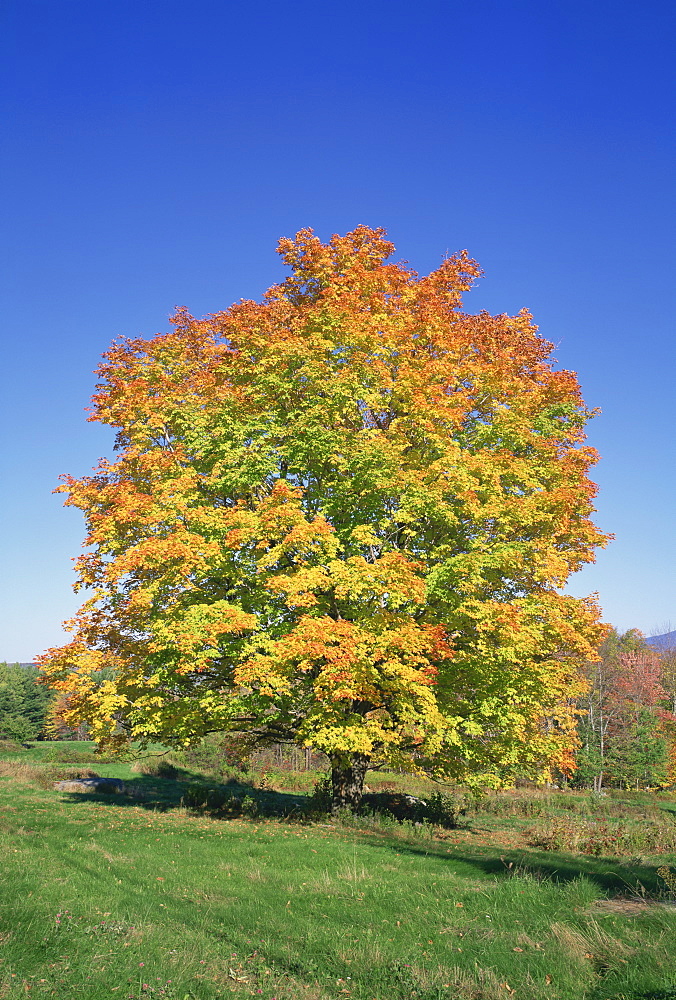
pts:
[341, 517]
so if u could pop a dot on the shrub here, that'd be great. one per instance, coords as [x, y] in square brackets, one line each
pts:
[220, 799]
[509, 804]
[445, 809]
[18, 728]
[70, 773]
[219, 754]
[607, 836]
[322, 796]
[439, 808]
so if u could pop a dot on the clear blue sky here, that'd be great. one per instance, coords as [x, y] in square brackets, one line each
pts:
[155, 151]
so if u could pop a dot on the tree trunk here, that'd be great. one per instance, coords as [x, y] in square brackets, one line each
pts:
[347, 780]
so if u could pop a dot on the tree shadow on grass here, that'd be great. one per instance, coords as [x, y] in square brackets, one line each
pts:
[230, 800]
[611, 875]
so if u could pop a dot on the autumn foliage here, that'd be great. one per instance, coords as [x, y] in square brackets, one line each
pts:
[627, 725]
[342, 517]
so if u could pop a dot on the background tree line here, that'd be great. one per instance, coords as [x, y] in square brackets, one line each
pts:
[23, 702]
[29, 710]
[627, 718]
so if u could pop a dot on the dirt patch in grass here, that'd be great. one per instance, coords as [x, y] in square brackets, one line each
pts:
[632, 906]
[624, 907]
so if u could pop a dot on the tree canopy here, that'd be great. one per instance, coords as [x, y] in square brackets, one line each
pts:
[343, 517]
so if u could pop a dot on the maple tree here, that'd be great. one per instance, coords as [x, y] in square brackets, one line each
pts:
[340, 517]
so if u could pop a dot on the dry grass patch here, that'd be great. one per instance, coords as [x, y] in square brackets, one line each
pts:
[41, 775]
[624, 907]
[482, 984]
[18, 771]
[110, 858]
[323, 882]
[594, 945]
[354, 873]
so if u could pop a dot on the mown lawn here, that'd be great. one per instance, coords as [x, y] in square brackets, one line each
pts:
[111, 896]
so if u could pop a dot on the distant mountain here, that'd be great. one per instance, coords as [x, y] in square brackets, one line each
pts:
[663, 642]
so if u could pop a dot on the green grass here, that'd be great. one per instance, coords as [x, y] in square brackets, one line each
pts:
[113, 896]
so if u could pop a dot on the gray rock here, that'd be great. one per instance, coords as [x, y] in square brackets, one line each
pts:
[106, 785]
[413, 800]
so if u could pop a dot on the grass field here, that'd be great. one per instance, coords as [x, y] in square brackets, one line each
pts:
[132, 896]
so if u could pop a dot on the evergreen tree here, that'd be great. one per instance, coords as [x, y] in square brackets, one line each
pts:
[23, 702]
